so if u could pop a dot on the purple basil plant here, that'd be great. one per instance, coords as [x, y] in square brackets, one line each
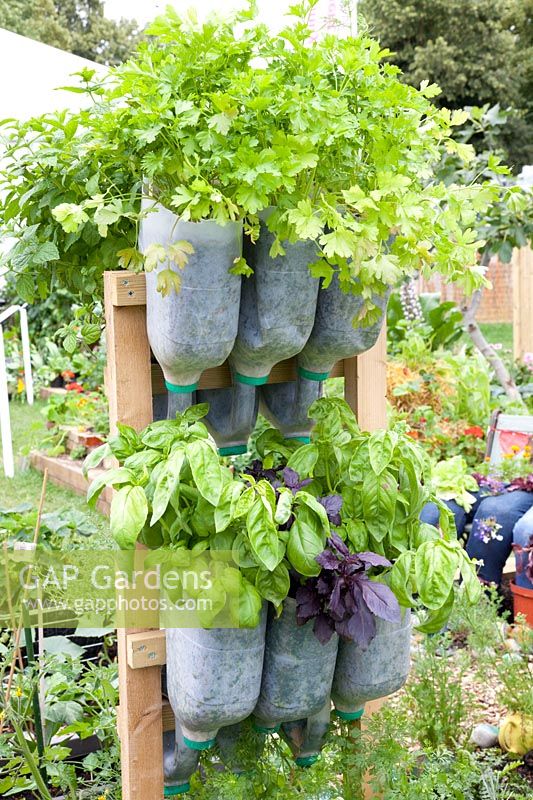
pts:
[343, 599]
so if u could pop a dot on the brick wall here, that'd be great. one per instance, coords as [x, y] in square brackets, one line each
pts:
[496, 304]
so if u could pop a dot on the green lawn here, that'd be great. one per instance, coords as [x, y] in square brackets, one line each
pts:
[28, 427]
[498, 333]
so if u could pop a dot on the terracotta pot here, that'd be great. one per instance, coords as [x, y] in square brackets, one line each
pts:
[523, 602]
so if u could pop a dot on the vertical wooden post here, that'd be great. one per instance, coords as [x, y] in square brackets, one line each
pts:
[522, 266]
[128, 387]
[365, 385]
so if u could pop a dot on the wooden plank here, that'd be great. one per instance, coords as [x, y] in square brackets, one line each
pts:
[522, 266]
[68, 474]
[128, 374]
[46, 392]
[365, 385]
[128, 386]
[147, 649]
[220, 377]
[127, 288]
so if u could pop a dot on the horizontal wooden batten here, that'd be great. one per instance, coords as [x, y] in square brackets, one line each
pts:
[220, 377]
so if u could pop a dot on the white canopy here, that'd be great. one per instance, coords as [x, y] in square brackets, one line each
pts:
[31, 72]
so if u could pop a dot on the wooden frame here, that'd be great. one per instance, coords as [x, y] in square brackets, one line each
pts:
[522, 266]
[131, 380]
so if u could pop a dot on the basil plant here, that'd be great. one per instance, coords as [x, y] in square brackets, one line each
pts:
[174, 493]
[373, 487]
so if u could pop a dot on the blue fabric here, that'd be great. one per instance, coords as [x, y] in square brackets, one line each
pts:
[510, 510]
[522, 532]
[506, 509]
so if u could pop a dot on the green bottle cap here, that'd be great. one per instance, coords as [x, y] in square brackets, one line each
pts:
[250, 380]
[350, 716]
[172, 791]
[192, 745]
[306, 761]
[174, 387]
[312, 376]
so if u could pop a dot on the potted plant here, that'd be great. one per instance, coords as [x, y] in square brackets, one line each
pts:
[521, 588]
[373, 487]
[175, 497]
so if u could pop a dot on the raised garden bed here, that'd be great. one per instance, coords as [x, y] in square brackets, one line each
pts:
[68, 474]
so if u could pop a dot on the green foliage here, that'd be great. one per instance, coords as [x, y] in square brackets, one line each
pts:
[441, 326]
[436, 696]
[507, 221]
[79, 700]
[59, 529]
[78, 26]
[325, 132]
[452, 481]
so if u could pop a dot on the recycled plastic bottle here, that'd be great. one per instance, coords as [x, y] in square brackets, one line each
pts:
[307, 737]
[195, 328]
[278, 305]
[297, 674]
[381, 669]
[179, 763]
[214, 678]
[334, 336]
[277, 314]
[286, 405]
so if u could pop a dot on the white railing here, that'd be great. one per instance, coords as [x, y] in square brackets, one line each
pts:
[5, 420]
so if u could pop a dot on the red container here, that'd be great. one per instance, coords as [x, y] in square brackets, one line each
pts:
[523, 602]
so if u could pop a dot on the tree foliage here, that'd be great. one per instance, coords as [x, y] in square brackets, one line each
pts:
[478, 51]
[78, 26]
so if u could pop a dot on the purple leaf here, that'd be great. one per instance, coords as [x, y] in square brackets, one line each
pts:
[360, 627]
[336, 606]
[292, 480]
[328, 560]
[381, 600]
[374, 560]
[332, 505]
[307, 604]
[323, 629]
[336, 543]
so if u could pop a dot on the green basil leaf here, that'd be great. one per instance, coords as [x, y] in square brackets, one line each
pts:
[304, 545]
[379, 496]
[129, 510]
[194, 413]
[303, 460]
[423, 532]
[250, 604]
[244, 503]
[206, 469]
[401, 579]
[306, 499]
[284, 506]
[436, 619]
[226, 510]
[166, 484]
[273, 586]
[357, 535]
[263, 534]
[380, 449]
[436, 564]
[113, 477]
[242, 552]
[95, 457]
[471, 582]
[160, 435]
